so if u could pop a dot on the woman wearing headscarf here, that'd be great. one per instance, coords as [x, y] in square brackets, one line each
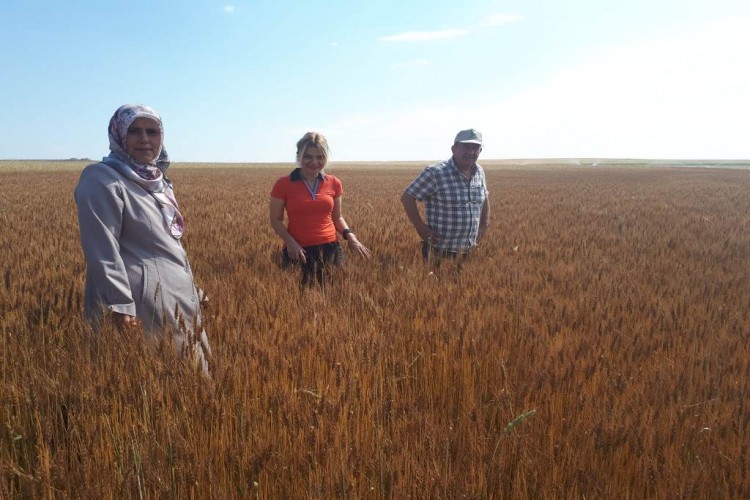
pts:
[137, 271]
[312, 202]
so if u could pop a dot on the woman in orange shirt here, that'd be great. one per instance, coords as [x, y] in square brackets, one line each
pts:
[312, 201]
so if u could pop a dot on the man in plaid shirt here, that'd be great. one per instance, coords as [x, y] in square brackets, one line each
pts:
[456, 200]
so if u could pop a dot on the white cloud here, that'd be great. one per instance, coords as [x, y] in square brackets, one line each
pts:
[229, 9]
[423, 36]
[412, 64]
[334, 44]
[678, 94]
[500, 19]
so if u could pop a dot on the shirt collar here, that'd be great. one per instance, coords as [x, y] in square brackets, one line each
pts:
[296, 175]
[453, 165]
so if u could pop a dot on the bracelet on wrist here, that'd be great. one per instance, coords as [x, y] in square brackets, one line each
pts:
[346, 232]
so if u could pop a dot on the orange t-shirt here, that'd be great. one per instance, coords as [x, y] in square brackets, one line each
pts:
[310, 220]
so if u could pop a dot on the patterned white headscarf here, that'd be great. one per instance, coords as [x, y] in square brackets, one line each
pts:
[150, 177]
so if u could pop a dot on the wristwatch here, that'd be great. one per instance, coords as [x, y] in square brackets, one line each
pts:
[346, 232]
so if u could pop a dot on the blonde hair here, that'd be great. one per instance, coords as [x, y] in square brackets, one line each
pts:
[313, 139]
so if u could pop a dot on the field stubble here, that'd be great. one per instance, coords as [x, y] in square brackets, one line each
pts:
[613, 302]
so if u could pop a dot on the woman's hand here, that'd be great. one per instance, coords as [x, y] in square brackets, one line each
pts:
[356, 246]
[295, 251]
[202, 297]
[125, 322]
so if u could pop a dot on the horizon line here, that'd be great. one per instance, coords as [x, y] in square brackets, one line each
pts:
[584, 159]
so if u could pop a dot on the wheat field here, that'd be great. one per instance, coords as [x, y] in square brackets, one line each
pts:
[596, 345]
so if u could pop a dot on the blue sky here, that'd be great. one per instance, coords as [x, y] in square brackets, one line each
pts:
[241, 81]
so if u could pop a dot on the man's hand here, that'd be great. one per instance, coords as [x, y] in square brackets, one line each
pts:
[427, 233]
[412, 212]
[482, 230]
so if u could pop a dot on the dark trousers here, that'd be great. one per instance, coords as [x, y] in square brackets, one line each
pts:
[317, 258]
[431, 253]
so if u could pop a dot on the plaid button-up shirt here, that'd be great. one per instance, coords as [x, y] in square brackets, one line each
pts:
[453, 203]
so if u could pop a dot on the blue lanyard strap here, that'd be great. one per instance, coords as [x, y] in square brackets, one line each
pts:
[314, 189]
